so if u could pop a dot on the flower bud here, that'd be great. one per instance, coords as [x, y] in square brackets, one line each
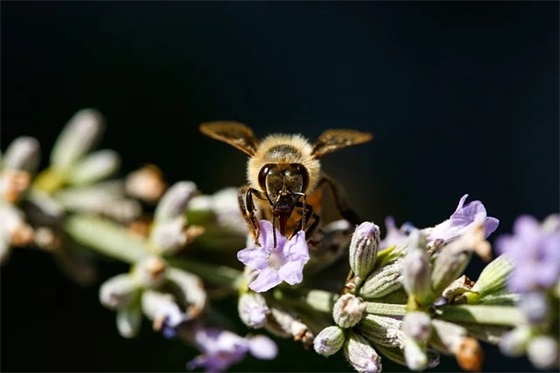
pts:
[329, 341]
[348, 310]
[417, 325]
[77, 138]
[492, 279]
[95, 166]
[22, 154]
[384, 280]
[363, 249]
[415, 354]
[174, 202]
[381, 330]
[146, 184]
[119, 291]
[169, 236]
[150, 272]
[453, 258]
[543, 352]
[106, 198]
[129, 320]
[252, 310]
[13, 228]
[447, 336]
[190, 288]
[285, 324]
[417, 271]
[163, 310]
[535, 307]
[361, 355]
[514, 343]
[13, 184]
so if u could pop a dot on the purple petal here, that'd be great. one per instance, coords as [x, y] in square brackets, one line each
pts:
[296, 248]
[526, 226]
[291, 272]
[262, 347]
[461, 202]
[266, 280]
[490, 225]
[254, 258]
[266, 236]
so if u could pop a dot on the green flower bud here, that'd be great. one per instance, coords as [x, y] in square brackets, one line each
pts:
[190, 290]
[492, 279]
[329, 341]
[119, 291]
[95, 166]
[361, 354]
[415, 354]
[150, 272]
[174, 202]
[129, 320]
[417, 325]
[22, 154]
[453, 258]
[77, 138]
[381, 330]
[348, 310]
[363, 249]
[417, 271]
[383, 280]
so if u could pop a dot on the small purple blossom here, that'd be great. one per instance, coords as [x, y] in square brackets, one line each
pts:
[464, 217]
[221, 348]
[275, 264]
[535, 251]
[394, 235]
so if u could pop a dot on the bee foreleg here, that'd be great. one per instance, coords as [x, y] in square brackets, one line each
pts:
[341, 199]
[308, 216]
[247, 206]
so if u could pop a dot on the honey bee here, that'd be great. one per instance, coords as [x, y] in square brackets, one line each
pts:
[284, 175]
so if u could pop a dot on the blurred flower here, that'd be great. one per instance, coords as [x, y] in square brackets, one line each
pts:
[221, 348]
[147, 184]
[252, 309]
[275, 264]
[461, 221]
[394, 235]
[535, 251]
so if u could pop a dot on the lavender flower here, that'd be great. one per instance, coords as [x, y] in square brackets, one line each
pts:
[461, 221]
[222, 348]
[275, 264]
[394, 235]
[535, 250]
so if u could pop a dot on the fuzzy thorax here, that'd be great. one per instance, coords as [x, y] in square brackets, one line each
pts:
[284, 149]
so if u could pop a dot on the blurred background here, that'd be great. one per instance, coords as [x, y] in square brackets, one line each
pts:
[461, 97]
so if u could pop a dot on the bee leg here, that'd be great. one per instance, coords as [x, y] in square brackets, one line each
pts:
[309, 216]
[341, 199]
[247, 206]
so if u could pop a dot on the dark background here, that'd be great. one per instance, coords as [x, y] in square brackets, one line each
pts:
[461, 97]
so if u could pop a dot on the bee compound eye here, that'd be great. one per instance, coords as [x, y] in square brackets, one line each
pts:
[263, 174]
[301, 170]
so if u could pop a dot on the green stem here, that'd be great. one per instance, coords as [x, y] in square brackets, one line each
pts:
[216, 274]
[117, 242]
[386, 309]
[106, 237]
[488, 315]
